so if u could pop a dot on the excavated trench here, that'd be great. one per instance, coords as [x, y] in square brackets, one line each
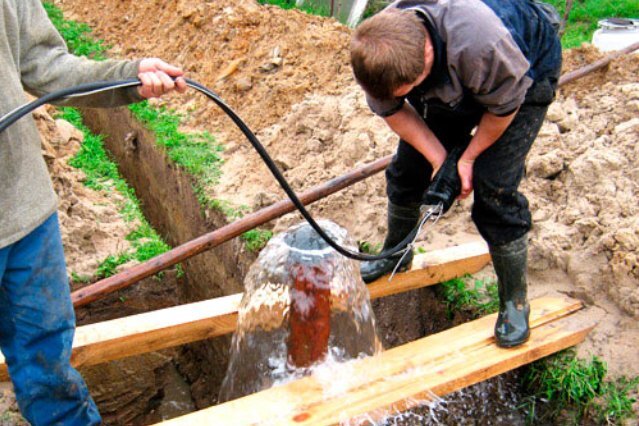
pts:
[189, 377]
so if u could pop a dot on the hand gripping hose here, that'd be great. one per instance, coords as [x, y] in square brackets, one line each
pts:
[103, 86]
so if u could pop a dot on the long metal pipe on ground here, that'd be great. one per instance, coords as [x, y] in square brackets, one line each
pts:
[578, 73]
[201, 244]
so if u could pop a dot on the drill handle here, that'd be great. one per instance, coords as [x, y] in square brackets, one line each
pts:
[446, 184]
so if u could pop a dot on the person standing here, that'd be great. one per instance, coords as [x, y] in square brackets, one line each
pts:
[475, 75]
[38, 320]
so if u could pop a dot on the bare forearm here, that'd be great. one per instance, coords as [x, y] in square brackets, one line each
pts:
[490, 128]
[407, 124]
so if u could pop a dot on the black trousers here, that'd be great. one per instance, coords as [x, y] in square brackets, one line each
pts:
[499, 211]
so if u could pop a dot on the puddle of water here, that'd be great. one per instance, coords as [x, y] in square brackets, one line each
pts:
[176, 400]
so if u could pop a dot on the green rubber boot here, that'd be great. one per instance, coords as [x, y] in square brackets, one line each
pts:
[510, 263]
[401, 220]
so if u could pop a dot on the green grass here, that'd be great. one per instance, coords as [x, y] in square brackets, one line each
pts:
[312, 7]
[616, 403]
[368, 247]
[467, 293]
[575, 390]
[76, 34]
[585, 14]
[197, 153]
[256, 239]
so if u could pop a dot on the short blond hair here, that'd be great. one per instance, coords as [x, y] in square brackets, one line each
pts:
[387, 51]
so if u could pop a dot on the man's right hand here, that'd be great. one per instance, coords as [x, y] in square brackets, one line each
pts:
[157, 78]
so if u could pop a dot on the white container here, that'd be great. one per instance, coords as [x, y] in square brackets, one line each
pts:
[616, 33]
[348, 12]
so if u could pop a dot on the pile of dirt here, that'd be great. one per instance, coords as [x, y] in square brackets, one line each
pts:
[287, 75]
[255, 57]
[582, 184]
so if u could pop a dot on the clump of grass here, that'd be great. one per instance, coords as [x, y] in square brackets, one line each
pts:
[480, 297]
[76, 34]
[197, 153]
[80, 278]
[616, 402]
[574, 389]
[368, 247]
[256, 239]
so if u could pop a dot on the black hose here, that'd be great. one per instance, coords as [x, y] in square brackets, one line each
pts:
[89, 88]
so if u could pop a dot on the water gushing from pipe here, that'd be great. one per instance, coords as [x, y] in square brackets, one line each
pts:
[304, 304]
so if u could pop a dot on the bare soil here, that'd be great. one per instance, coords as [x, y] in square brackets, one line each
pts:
[287, 75]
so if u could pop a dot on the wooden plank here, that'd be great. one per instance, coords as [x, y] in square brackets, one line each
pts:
[151, 331]
[137, 334]
[437, 364]
[433, 268]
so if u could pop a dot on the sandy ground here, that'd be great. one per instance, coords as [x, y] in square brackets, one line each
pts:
[287, 75]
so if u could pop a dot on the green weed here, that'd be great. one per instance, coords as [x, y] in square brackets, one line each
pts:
[76, 34]
[574, 389]
[616, 402]
[256, 239]
[374, 6]
[197, 153]
[80, 279]
[480, 297]
[368, 247]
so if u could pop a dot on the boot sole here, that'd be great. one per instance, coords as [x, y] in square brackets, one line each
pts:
[507, 345]
[400, 269]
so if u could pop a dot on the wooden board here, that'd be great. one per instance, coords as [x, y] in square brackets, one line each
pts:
[147, 332]
[433, 268]
[394, 380]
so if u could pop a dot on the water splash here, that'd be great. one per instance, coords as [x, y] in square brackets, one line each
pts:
[280, 336]
[277, 294]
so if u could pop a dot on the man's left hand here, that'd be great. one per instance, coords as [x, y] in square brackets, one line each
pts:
[465, 170]
[157, 78]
